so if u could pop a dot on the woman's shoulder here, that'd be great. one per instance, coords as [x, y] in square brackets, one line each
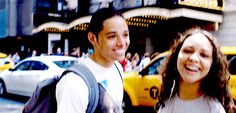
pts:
[215, 105]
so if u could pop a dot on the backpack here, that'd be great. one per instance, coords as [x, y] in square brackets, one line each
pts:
[43, 99]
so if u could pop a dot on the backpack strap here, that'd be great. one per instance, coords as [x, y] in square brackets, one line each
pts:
[119, 73]
[90, 81]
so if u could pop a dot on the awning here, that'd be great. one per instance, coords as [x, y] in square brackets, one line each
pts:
[155, 11]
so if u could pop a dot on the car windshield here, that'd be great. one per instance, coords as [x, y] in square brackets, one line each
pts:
[65, 63]
[154, 67]
[232, 64]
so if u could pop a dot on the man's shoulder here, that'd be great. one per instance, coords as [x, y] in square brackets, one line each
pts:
[71, 82]
[71, 78]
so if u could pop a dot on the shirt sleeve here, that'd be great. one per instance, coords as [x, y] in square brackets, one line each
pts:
[72, 94]
[216, 106]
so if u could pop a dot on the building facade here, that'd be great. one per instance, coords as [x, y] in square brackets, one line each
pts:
[227, 30]
[153, 24]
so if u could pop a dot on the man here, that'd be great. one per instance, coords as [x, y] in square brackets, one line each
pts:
[109, 35]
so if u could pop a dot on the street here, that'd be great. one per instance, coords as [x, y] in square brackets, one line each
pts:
[15, 103]
[12, 104]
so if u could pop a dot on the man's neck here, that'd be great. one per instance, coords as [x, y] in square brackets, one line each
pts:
[101, 61]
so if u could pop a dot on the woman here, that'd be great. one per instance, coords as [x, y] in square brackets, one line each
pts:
[195, 77]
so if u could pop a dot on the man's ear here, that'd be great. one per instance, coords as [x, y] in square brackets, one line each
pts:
[92, 38]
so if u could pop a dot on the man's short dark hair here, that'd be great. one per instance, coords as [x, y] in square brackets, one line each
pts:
[96, 22]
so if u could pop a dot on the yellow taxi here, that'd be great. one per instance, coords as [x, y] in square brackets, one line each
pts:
[142, 88]
[230, 52]
[5, 62]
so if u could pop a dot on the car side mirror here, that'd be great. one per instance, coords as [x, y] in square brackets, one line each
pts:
[7, 62]
[11, 69]
[142, 73]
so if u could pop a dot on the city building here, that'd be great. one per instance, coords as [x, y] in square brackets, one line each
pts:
[153, 24]
[227, 30]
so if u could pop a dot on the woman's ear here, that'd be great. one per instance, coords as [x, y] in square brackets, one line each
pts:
[92, 38]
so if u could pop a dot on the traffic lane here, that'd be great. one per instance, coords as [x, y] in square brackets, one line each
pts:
[12, 103]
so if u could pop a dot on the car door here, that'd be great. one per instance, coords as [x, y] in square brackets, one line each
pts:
[16, 78]
[148, 84]
[35, 74]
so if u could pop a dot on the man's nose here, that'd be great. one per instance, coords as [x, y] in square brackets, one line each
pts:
[120, 41]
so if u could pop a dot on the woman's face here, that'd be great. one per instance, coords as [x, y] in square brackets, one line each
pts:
[195, 58]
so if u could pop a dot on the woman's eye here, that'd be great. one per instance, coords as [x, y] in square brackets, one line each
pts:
[187, 51]
[205, 55]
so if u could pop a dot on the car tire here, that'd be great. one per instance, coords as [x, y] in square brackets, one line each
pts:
[2, 88]
[126, 104]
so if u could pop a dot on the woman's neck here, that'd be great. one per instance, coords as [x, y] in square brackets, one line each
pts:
[189, 91]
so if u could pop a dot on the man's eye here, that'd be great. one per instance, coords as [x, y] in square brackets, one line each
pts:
[111, 36]
[126, 34]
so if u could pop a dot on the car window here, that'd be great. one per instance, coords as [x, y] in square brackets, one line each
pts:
[2, 61]
[5, 61]
[153, 68]
[232, 64]
[23, 66]
[36, 65]
[65, 63]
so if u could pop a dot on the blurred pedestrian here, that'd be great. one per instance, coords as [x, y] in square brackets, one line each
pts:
[75, 52]
[144, 61]
[34, 53]
[109, 35]
[89, 52]
[195, 76]
[59, 52]
[134, 62]
[16, 58]
[126, 63]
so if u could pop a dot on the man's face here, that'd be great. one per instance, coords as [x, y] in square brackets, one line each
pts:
[113, 39]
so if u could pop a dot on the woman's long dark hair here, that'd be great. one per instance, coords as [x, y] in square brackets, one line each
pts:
[215, 84]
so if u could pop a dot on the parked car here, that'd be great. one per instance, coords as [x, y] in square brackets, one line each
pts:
[142, 88]
[5, 62]
[23, 78]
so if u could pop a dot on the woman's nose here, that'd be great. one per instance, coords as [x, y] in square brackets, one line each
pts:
[194, 57]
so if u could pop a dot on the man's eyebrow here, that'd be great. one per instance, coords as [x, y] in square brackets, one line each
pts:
[126, 31]
[114, 32]
[109, 33]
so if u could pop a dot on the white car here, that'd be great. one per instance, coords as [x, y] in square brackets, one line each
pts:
[23, 78]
